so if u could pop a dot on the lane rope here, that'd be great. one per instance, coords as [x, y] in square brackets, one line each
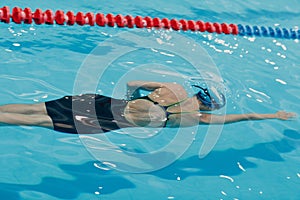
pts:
[26, 16]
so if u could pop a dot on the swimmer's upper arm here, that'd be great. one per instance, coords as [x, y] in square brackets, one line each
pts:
[206, 118]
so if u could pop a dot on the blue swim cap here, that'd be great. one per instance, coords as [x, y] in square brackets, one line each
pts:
[212, 99]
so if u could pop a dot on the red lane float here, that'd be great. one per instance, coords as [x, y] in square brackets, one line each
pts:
[49, 17]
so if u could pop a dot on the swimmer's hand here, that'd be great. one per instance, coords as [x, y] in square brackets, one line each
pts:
[283, 115]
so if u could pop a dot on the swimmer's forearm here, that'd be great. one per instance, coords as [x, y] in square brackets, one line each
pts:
[250, 116]
[144, 85]
[133, 84]
[231, 118]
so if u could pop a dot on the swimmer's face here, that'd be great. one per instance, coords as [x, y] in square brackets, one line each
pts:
[205, 108]
[209, 101]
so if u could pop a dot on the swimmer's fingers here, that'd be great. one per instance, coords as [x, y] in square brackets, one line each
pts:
[283, 115]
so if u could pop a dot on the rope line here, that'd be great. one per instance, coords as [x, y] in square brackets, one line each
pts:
[39, 17]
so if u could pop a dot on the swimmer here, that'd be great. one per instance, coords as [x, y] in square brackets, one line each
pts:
[167, 105]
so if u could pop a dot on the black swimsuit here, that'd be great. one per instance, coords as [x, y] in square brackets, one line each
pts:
[90, 113]
[87, 114]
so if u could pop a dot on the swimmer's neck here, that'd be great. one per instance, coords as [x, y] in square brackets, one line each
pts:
[190, 103]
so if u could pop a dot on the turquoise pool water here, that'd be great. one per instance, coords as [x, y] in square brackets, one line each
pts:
[251, 160]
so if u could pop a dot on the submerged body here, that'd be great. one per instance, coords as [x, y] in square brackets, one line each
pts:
[93, 113]
[167, 105]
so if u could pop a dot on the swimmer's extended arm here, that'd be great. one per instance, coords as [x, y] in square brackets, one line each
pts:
[225, 119]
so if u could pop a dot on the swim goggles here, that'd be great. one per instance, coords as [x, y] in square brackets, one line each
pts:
[205, 97]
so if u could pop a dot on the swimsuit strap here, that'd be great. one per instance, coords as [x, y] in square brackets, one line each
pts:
[165, 107]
